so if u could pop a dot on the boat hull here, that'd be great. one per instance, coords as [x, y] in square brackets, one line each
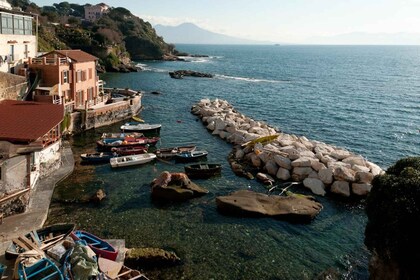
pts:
[93, 158]
[171, 152]
[202, 171]
[132, 160]
[191, 156]
[101, 247]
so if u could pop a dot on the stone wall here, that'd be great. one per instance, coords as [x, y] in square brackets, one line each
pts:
[104, 115]
[321, 167]
[11, 86]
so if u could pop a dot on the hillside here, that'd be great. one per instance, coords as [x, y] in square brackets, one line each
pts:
[116, 38]
[189, 33]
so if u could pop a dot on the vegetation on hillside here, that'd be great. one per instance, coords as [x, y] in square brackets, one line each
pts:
[115, 38]
[393, 210]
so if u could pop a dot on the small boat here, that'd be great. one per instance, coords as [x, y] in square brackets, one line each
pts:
[190, 156]
[120, 135]
[101, 247]
[124, 151]
[118, 271]
[106, 145]
[132, 160]
[171, 152]
[42, 239]
[203, 170]
[42, 269]
[137, 119]
[141, 127]
[262, 140]
[101, 157]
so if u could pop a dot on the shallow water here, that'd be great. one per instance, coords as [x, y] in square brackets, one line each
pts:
[365, 99]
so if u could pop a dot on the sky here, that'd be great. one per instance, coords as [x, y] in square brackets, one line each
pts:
[291, 21]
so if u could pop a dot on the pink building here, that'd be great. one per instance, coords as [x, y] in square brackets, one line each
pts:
[95, 12]
[67, 77]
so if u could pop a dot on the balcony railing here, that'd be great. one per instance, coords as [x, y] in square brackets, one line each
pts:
[48, 61]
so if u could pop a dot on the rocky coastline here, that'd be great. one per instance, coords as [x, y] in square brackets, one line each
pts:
[322, 168]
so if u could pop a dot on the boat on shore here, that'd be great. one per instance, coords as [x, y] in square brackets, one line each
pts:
[125, 151]
[42, 269]
[106, 145]
[132, 160]
[101, 247]
[191, 156]
[172, 151]
[41, 239]
[100, 157]
[203, 170]
[145, 128]
[118, 271]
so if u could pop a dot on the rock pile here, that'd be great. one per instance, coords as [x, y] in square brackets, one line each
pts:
[321, 167]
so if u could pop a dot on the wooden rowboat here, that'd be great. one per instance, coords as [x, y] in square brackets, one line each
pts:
[42, 269]
[118, 271]
[145, 128]
[171, 152]
[41, 239]
[98, 245]
[204, 170]
[102, 157]
[124, 151]
[132, 160]
[190, 156]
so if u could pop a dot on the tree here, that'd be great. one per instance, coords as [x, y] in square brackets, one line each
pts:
[393, 210]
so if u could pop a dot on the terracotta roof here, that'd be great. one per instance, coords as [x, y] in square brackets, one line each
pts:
[24, 121]
[76, 55]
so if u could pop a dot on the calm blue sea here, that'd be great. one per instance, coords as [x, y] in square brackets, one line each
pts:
[363, 98]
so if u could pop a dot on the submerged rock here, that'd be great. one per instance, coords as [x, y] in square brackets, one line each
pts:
[179, 74]
[139, 258]
[249, 203]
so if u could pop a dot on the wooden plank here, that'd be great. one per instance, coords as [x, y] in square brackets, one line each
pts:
[51, 241]
[20, 244]
[35, 237]
[28, 242]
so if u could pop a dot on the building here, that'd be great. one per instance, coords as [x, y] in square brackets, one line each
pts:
[67, 77]
[95, 12]
[30, 142]
[17, 39]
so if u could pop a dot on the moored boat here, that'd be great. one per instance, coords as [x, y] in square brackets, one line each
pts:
[104, 145]
[101, 157]
[203, 170]
[41, 239]
[120, 135]
[191, 156]
[144, 128]
[171, 152]
[124, 151]
[101, 247]
[137, 119]
[132, 160]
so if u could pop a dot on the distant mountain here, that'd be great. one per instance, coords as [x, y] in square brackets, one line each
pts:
[189, 33]
[361, 38]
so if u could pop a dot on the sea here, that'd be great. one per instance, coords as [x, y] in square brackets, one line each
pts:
[362, 98]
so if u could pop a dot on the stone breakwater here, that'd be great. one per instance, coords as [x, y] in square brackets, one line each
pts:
[319, 166]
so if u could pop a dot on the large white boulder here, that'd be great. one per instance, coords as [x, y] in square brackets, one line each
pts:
[344, 174]
[326, 175]
[364, 177]
[302, 162]
[283, 162]
[271, 167]
[341, 188]
[361, 189]
[283, 174]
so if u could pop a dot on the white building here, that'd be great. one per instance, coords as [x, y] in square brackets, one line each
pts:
[17, 39]
[95, 12]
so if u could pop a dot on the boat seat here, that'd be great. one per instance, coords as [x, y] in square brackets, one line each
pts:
[204, 166]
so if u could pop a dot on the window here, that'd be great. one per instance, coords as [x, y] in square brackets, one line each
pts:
[12, 53]
[28, 26]
[65, 76]
[79, 100]
[78, 76]
[90, 94]
[90, 73]
[6, 24]
[26, 51]
[18, 27]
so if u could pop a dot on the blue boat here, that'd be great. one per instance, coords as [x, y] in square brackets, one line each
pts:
[98, 245]
[191, 156]
[44, 269]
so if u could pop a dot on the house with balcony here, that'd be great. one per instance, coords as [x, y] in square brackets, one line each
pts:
[17, 39]
[95, 12]
[30, 142]
[67, 77]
